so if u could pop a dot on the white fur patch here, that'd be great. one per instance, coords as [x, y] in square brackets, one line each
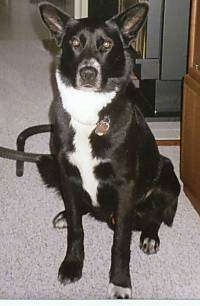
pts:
[83, 106]
[82, 158]
[119, 292]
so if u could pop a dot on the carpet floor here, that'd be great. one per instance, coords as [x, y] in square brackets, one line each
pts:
[31, 249]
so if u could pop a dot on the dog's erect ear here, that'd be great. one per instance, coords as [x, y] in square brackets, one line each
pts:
[131, 21]
[55, 20]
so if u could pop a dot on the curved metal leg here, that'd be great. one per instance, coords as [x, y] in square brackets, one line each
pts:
[21, 139]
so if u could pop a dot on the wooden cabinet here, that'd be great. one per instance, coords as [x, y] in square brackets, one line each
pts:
[190, 136]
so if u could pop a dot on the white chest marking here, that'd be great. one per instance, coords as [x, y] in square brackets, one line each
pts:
[83, 106]
[83, 159]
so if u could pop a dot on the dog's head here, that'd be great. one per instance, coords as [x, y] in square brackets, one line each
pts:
[95, 54]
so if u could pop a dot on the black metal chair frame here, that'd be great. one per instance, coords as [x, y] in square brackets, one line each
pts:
[20, 155]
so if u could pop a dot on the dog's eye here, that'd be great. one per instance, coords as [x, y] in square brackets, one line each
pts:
[107, 45]
[75, 42]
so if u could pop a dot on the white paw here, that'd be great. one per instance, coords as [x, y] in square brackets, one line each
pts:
[60, 221]
[149, 246]
[117, 292]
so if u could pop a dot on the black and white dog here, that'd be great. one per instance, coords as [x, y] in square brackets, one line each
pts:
[107, 160]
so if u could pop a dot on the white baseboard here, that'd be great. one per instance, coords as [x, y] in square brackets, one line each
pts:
[165, 130]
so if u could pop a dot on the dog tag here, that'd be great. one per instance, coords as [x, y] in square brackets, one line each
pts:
[103, 126]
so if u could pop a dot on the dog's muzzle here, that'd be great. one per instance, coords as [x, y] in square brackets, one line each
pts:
[89, 74]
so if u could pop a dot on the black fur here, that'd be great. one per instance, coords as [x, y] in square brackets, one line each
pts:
[138, 188]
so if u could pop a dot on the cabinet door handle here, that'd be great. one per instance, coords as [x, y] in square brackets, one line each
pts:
[196, 66]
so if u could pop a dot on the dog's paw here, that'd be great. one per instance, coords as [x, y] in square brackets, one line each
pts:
[70, 271]
[117, 292]
[60, 221]
[149, 245]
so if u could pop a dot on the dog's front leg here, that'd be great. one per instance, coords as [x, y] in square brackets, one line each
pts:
[71, 267]
[120, 282]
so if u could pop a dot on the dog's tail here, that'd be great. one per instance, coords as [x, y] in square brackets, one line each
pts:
[49, 171]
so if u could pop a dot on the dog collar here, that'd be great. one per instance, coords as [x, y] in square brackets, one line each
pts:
[102, 126]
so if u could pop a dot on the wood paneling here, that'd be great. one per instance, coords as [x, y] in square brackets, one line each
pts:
[190, 132]
[190, 143]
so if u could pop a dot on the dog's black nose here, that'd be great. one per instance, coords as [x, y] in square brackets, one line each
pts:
[88, 74]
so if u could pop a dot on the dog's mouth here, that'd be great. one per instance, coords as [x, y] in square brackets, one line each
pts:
[88, 87]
